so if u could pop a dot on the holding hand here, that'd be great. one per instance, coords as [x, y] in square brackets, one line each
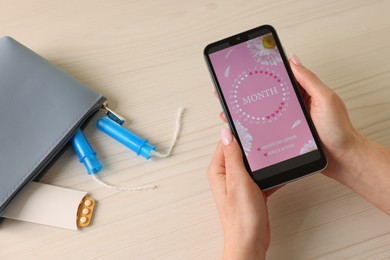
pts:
[240, 203]
[355, 161]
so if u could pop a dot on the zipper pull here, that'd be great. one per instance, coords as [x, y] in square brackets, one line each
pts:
[111, 114]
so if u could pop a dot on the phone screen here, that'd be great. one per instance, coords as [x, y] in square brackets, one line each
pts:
[262, 103]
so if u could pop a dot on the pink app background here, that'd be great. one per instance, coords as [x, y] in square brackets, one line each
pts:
[262, 102]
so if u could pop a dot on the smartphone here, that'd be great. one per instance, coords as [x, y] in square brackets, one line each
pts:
[264, 107]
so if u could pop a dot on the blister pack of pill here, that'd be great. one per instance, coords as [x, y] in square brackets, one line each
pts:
[85, 211]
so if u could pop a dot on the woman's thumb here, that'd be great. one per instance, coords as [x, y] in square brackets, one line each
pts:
[234, 162]
[307, 79]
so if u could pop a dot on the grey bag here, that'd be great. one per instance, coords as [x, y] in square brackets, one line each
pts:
[41, 107]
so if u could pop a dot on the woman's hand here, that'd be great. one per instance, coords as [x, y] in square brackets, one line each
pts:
[329, 115]
[355, 161]
[240, 203]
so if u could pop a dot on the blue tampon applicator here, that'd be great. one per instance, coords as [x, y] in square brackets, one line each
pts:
[85, 152]
[123, 135]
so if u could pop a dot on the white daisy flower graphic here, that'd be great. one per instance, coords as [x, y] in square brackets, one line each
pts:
[245, 137]
[264, 50]
[308, 147]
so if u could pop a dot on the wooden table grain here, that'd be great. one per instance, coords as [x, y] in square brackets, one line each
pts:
[146, 58]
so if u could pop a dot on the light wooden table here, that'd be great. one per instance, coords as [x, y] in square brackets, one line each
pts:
[146, 57]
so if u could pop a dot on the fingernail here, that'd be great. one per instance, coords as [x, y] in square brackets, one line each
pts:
[226, 136]
[295, 59]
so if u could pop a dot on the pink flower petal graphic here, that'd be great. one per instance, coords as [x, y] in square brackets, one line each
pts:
[228, 54]
[296, 123]
[227, 70]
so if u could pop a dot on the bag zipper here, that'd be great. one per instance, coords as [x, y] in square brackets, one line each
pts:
[101, 105]
[111, 114]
